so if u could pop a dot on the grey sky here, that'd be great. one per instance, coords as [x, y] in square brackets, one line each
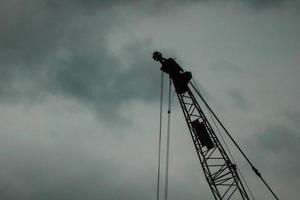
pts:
[79, 94]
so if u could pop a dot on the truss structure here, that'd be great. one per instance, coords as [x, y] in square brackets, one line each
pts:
[220, 173]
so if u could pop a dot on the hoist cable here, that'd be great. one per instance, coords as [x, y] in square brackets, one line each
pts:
[168, 144]
[234, 142]
[159, 134]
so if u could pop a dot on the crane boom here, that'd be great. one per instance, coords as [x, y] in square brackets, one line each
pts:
[220, 173]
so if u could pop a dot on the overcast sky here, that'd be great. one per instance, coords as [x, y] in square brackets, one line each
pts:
[79, 94]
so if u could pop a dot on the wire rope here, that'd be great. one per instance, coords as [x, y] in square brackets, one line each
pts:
[159, 134]
[168, 143]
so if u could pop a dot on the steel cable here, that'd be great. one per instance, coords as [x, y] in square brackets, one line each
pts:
[159, 134]
[168, 144]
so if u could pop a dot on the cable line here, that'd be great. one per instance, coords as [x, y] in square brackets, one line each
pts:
[168, 143]
[159, 135]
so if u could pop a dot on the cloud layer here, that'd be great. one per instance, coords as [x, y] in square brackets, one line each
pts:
[72, 73]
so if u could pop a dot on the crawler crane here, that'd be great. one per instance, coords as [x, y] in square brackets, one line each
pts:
[221, 173]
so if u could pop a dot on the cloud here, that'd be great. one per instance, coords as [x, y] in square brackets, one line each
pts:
[283, 139]
[224, 66]
[240, 100]
[61, 153]
[57, 53]
[60, 48]
[259, 4]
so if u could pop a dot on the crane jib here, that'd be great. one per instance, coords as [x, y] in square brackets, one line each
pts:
[222, 175]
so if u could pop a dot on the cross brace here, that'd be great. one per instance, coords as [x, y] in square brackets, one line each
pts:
[220, 173]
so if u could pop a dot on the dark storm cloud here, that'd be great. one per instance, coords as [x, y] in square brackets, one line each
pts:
[60, 47]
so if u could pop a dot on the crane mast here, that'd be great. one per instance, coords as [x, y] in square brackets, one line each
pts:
[220, 172]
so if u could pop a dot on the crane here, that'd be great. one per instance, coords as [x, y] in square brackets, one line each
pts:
[221, 173]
